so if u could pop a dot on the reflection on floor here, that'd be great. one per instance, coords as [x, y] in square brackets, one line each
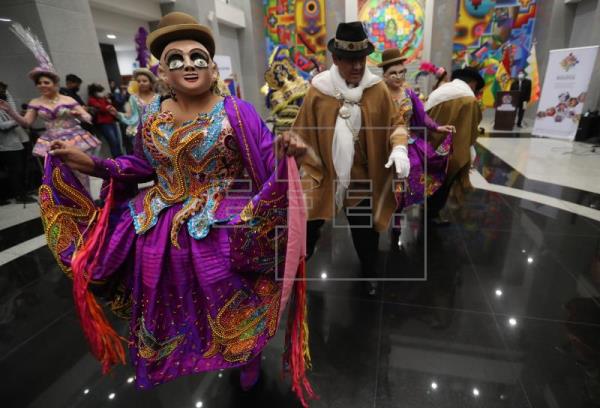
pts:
[508, 316]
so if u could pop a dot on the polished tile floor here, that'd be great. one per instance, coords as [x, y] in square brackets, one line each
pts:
[508, 316]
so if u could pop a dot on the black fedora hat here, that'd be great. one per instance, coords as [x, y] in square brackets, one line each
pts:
[469, 74]
[350, 41]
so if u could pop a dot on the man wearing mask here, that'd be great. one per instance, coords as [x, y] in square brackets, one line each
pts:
[359, 141]
[523, 85]
[455, 103]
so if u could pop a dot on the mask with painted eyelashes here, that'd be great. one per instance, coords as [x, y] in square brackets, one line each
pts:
[398, 75]
[176, 61]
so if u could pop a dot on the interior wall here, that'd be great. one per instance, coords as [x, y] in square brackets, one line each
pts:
[230, 45]
[65, 28]
[126, 60]
[125, 28]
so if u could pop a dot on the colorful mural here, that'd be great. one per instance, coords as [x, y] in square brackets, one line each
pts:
[495, 36]
[300, 27]
[394, 24]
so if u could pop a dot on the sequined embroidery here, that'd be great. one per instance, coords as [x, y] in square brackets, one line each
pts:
[443, 149]
[195, 163]
[242, 320]
[150, 348]
[63, 224]
[404, 105]
[431, 185]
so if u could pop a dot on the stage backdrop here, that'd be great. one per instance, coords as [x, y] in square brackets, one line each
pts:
[564, 90]
[299, 26]
[495, 36]
[394, 24]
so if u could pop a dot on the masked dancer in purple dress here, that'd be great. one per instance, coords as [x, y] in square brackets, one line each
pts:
[203, 262]
[428, 165]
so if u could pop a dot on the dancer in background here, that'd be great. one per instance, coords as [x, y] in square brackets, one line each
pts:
[61, 114]
[422, 182]
[136, 108]
[286, 88]
[455, 103]
[198, 261]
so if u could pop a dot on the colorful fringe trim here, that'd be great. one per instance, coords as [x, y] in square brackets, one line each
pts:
[297, 354]
[105, 344]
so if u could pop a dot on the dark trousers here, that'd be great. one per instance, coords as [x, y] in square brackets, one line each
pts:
[111, 134]
[364, 236]
[14, 164]
[520, 113]
[437, 201]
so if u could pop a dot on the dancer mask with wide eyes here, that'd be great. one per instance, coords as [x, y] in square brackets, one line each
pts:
[197, 59]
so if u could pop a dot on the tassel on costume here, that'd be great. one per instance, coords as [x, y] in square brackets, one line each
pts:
[297, 354]
[105, 344]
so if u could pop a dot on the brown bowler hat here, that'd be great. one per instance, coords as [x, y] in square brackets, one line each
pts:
[179, 26]
[391, 56]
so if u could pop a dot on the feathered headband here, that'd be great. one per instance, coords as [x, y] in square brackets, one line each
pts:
[428, 68]
[32, 42]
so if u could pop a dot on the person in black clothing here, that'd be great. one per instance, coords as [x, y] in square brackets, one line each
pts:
[71, 88]
[523, 85]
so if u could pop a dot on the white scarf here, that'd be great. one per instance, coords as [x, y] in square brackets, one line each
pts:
[347, 127]
[448, 91]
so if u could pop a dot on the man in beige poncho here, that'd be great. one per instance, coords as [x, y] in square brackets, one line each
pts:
[348, 118]
[455, 103]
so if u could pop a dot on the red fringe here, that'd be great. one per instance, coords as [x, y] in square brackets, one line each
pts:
[105, 344]
[297, 356]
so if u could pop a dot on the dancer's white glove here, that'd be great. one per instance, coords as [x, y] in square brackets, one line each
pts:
[399, 158]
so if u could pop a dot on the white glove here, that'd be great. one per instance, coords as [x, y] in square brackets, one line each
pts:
[399, 157]
[473, 154]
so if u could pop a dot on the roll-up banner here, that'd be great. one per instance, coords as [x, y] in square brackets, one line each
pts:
[565, 87]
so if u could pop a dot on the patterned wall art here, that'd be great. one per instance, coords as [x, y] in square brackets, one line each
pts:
[496, 36]
[299, 26]
[394, 24]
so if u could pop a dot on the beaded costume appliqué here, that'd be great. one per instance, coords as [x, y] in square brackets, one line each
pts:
[195, 165]
[63, 224]
[239, 323]
[152, 349]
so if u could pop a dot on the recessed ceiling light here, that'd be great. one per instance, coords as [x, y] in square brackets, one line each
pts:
[112, 396]
[199, 404]
[6, 20]
[475, 392]
[512, 321]
[530, 260]
[498, 292]
[111, 36]
[130, 380]
[434, 385]
[324, 275]
[86, 391]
